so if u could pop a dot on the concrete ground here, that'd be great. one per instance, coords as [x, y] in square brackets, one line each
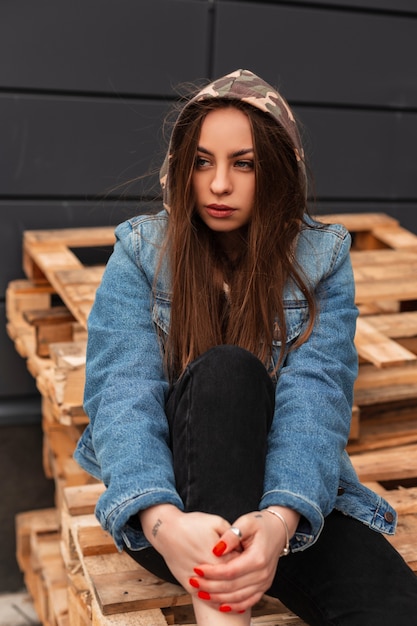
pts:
[16, 609]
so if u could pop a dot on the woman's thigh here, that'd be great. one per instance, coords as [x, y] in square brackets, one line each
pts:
[352, 576]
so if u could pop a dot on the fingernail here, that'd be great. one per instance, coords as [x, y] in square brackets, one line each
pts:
[194, 583]
[244, 611]
[199, 572]
[203, 595]
[219, 548]
[225, 608]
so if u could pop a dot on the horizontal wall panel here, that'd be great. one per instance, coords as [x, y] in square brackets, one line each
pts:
[361, 154]
[123, 46]
[16, 217]
[80, 147]
[68, 146]
[408, 6]
[319, 55]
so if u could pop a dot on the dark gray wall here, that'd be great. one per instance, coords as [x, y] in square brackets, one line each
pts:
[84, 87]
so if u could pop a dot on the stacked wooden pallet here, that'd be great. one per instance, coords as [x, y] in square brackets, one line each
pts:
[70, 565]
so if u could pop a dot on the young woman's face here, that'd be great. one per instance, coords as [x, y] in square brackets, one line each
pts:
[224, 175]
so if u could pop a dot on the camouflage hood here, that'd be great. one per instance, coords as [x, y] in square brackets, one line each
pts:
[245, 86]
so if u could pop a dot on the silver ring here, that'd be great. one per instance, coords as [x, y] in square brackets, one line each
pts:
[236, 531]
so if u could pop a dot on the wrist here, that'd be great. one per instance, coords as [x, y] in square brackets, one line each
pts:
[291, 517]
[155, 518]
[288, 519]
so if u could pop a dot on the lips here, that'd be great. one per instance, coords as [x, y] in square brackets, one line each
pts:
[219, 210]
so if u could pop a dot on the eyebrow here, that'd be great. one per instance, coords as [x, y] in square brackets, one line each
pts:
[238, 153]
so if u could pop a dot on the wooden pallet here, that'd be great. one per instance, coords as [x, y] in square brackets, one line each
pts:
[70, 564]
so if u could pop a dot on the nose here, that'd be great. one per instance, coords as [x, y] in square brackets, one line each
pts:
[221, 182]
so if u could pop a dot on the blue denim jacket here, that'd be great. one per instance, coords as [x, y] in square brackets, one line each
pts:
[126, 444]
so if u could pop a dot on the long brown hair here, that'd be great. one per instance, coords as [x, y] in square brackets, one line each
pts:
[214, 300]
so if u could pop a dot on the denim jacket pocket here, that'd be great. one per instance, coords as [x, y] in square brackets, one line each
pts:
[296, 316]
[161, 312]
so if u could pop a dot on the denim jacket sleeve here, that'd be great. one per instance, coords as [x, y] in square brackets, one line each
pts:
[314, 390]
[126, 444]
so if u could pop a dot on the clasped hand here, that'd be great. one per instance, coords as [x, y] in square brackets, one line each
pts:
[210, 561]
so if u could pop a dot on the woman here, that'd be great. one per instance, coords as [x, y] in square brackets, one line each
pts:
[220, 373]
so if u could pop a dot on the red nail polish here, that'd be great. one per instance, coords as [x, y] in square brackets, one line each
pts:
[199, 572]
[194, 583]
[225, 608]
[203, 595]
[244, 611]
[219, 548]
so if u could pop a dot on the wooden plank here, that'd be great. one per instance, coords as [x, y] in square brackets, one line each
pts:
[94, 540]
[395, 325]
[385, 395]
[69, 371]
[401, 289]
[41, 261]
[385, 294]
[358, 222]
[387, 269]
[28, 522]
[380, 350]
[149, 617]
[386, 257]
[403, 500]
[51, 325]
[50, 316]
[71, 237]
[82, 499]
[54, 582]
[385, 427]
[136, 590]
[78, 288]
[79, 602]
[382, 386]
[389, 464]
[371, 377]
[397, 237]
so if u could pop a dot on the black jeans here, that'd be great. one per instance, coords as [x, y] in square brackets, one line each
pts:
[219, 413]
